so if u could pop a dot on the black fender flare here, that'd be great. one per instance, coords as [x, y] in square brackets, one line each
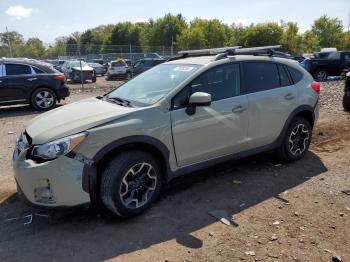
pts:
[295, 112]
[89, 177]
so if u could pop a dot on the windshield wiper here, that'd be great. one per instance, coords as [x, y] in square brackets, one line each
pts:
[119, 101]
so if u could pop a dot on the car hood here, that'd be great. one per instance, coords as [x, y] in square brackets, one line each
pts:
[84, 68]
[74, 118]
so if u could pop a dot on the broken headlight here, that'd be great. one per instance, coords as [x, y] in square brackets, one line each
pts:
[60, 147]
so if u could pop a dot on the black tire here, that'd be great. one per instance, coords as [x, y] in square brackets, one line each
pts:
[94, 80]
[321, 74]
[346, 101]
[43, 104]
[289, 149]
[112, 186]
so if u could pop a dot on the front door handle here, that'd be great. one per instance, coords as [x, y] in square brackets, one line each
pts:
[289, 96]
[32, 79]
[238, 109]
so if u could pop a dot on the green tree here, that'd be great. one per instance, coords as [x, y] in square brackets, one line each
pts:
[166, 30]
[290, 38]
[264, 34]
[34, 48]
[13, 41]
[192, 38]
[329, 31]
[90, 42]
[309, 42]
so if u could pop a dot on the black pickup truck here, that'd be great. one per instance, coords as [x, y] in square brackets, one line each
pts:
[327, 64]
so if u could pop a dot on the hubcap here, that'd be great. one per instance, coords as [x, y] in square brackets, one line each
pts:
[138, 185]
[44, 99]
[298, 139]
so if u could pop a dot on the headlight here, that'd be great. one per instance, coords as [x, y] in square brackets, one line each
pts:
[59, 147]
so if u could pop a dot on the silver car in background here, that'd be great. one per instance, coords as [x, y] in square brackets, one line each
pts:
[99, 69]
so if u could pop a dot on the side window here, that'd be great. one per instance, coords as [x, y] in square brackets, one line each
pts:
[284, 78]
[1, 70]
[15, 69]
[260, 76]
[221, 82]
[38, 71]
[295, 74]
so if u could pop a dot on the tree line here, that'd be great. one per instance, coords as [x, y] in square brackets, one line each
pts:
[173, 31]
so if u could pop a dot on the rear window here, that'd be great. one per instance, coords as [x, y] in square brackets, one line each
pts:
[259, 76]
[295, 74]
[16, 69]
[117, 64]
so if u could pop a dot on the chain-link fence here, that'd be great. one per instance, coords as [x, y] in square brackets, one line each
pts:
[112, 52]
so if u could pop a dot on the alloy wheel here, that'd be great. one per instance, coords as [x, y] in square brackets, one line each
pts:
[298, 139]
[138, 185]
[44, 99]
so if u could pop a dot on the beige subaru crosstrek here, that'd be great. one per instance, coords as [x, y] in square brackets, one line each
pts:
[194, 111]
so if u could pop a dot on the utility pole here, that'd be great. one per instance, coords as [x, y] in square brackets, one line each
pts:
[9, 43]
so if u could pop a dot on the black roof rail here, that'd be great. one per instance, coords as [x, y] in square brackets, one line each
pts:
[223, 52]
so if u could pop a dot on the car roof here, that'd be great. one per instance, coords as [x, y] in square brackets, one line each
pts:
[206, 60]
[29, 62]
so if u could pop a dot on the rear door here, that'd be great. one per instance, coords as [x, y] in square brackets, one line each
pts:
[271, 99]
[17, 82]
[212, 131]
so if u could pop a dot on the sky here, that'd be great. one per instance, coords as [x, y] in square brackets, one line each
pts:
[49, 19]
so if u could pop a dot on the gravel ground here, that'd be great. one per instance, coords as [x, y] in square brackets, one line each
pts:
[294, 212]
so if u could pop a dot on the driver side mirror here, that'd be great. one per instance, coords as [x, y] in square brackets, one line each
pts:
[198, 99]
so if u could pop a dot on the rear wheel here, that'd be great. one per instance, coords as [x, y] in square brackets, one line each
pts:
[296, 140]
[43, 99]
[321, 75]
[130, 183]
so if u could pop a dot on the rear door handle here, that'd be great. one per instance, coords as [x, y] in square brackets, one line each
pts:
[238, 109]
[32, 79]
[289, 96]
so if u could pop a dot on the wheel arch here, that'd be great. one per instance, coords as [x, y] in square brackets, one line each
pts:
[92, 175]
[305, 111]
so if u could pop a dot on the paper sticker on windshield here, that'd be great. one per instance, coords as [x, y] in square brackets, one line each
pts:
[184, 68]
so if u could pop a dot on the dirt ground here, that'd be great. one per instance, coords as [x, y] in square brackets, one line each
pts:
[294, 212]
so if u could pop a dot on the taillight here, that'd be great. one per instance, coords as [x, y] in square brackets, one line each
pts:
[316, 86]
[60, 78]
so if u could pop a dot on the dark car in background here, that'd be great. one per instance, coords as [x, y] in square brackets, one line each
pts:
[56, 63]
[26, 82]
[325, 64]
[143, 65]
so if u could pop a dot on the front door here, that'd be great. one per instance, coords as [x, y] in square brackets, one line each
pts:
[212, 131]
[16, 82]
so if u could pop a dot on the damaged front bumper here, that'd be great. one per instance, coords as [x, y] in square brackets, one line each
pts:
[53, 183]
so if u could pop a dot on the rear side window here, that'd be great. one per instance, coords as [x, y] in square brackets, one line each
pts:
[15, 69]
[295, 74]
[260, 76]
[38, 71]
[284, 78]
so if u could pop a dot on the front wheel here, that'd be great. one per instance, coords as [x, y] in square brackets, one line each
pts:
[43, 99]
[346, 101]
[296, 140]
[130, 183]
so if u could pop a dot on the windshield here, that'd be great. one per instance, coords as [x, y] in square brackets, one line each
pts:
[77, 63]
[154, 84]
